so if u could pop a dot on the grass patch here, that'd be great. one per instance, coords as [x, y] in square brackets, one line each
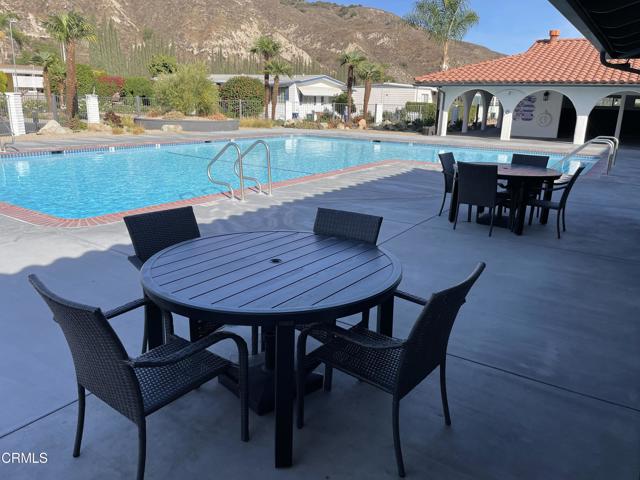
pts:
[256, 123]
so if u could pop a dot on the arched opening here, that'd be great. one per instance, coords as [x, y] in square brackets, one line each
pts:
[544, 114]
[616, 115]
[475, 112]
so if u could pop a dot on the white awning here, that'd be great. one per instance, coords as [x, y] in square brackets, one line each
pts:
[319, 90]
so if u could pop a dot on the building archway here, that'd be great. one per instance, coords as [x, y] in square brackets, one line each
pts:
[616, 115]
[546, 114]
[471, 111]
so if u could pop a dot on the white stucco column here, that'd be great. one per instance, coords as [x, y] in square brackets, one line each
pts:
[507, 118]
[467, 101]
[93, 109]
[16, 116]
[499, 119]
[443, 117]
[623, 101]
[486, 101]
[378, 113]
[580, 133]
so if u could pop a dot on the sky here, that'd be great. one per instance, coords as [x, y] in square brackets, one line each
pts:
[506, 26]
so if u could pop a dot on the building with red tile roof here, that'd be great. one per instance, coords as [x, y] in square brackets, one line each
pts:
[537, 88]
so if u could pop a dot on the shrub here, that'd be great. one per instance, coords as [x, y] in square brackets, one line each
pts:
[127, 122]
[256, 123]
[4, 82]
[340, 102]
[137, 130]
[246, 89]
[75, 124]
[85, 78]
[109, 85]
[426, 112]
[162, 64]
[138, 87]
[117, 130]
[173, 115]
[154, 113]
[113, 119]
[305, 125]
[217, 117]
[188, 91]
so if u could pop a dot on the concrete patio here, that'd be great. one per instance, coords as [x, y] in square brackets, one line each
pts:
[543, 368]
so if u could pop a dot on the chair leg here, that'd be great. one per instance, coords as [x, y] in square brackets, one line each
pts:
[564, 224]
[80, 425]
[396, 436]
[328, 377]
[254, 340]
[145, 337]
[365, 319]
[443, 391]
[300, 377]
[558, 224]
[531, 215]
[444, 199]
[455, 223]
[142, 449]
[493, 209]
[469, 213]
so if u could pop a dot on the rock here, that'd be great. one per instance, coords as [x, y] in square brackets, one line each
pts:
[362, 124]
[341, 126]
[54, 128]
[324, 125]
[172, 128]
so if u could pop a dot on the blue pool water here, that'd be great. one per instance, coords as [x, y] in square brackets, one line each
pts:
[80, 185]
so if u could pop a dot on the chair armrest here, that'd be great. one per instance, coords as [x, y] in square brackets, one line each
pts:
[348, 335]
[411, 298]
[127, 307]
[135, 261]
[503, 185]
[192, 349]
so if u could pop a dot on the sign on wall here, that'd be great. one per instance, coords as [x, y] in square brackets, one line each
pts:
[538, 115]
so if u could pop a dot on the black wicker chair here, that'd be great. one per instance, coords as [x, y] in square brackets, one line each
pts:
[448, 162]
[561, 205]
[530, 160]
[137, 387]
[155, 231]
[478, 186]
[392, 365]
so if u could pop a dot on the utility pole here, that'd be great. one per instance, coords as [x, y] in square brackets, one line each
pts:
[13, 54]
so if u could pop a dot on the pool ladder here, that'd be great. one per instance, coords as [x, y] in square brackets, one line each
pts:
[612, 144]
[238, 168]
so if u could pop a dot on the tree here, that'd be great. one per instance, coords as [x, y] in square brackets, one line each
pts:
[369, 72]
[277, 67]
[267, 48]
[4, 82]
[188, 91]
[162, 64]
[138, 87]
[351, 60]
[85, 79]
[248, 90]
[47, 61]
[444, 21]
[70, 29]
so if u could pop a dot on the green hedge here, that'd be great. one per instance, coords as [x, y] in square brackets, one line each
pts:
[250, 91]
[138, 87]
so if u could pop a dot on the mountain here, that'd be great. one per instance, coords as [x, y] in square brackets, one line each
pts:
[312, 32]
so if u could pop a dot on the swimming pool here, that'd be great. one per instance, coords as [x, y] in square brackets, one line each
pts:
[90, 184]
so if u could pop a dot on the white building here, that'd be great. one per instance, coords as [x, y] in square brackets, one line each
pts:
[300, 96]
[556, 89]
[393, 96]
[24, 78]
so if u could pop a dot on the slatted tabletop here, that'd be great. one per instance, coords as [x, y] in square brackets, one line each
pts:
[255, 277]
[525, 171]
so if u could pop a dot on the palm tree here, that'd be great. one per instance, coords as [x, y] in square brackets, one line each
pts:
[351, 60]
[70, 28]
[369, 72]
[48, 61]
[267, 48]
[444, 21]
[277, 67]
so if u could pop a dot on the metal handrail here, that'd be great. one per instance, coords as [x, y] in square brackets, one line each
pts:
[268, 152]
[237, 167]
[240, 175]
[611, 142]
[8, 145]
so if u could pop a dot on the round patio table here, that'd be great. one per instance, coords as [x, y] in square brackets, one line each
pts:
[276, 280]
[522, 179]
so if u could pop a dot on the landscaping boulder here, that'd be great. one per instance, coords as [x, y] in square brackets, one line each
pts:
[172, 128]
[362, 124]
[54, 128]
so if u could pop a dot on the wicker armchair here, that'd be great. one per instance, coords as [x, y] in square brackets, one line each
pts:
[155, 231]
[137, 387]
[392, 365]
[448, 162]
[561, 205]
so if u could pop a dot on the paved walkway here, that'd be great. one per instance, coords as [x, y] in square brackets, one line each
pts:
[543, 360]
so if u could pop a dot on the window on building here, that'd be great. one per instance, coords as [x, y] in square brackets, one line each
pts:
[636, 102]
[610, 101]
